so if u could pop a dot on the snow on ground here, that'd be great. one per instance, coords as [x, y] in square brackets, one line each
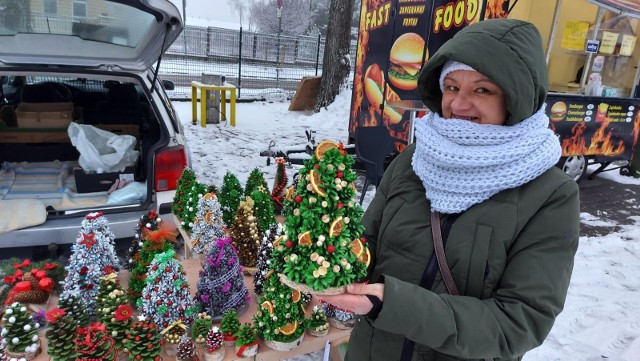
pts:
[601, 319]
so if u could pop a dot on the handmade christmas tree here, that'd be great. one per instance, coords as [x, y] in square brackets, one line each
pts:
[247, 341]
[91, 254]
[280, 315]
[187, 350]
[255, 180]
[245, 235]
[72, 305]
[147, 222]
[113, 310]
[263, 209]
[317, 323]
[165, 298]
[93, 344]
[215, 340]
[208, 226]
[3, 357]
[221, 285]
[144, 342]
[183, 188]
[322, 249]
[264, 255]
[229, 197]
[19, 331]
[279, 186]
[200, 327]
[230, 325]
[106, 300]
[153, 242]
[60, 335]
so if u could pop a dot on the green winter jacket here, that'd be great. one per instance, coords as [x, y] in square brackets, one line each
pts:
[511, 256]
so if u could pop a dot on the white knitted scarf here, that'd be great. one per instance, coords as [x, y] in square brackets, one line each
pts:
[462, 163]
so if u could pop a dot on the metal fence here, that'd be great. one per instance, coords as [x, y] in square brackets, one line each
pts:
[258, 64]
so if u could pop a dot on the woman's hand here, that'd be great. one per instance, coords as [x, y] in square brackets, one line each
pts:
[355, 299]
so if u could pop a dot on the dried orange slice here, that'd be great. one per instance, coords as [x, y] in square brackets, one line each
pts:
[323, 147]
[336, 227]
[277, 241]
[289, 328]
[316, 183]
[296, 296]
[209, 196]
[365, 257]
[356, 247]
[267, 306]
[289, 195]
[208, 217]
[305, 239]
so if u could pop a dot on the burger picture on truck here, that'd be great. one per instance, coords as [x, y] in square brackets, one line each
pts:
[405, 61]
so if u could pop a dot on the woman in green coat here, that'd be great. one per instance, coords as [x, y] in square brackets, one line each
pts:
[483, 165]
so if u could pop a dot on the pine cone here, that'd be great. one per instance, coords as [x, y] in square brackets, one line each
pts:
[31, 297]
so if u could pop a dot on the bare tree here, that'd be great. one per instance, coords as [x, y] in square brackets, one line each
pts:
[336, 64]
[239, 7]
[296, 16]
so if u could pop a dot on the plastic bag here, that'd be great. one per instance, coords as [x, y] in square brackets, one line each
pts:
[131, 193]
[102, 151]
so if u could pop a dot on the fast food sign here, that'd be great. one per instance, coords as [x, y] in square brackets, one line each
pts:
[394, 42]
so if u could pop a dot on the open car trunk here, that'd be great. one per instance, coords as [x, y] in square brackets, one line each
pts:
[39, 160]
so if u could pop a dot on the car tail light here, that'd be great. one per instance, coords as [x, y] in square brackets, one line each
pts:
[168, 167]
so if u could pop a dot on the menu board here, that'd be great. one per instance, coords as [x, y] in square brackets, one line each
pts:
[595, 126]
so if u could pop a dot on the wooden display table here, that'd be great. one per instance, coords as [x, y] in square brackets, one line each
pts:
[192, 268]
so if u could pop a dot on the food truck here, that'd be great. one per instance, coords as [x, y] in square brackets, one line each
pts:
[591, 54]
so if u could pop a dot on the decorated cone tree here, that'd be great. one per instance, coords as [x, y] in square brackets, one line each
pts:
[229, 197]
[317, 323]
[221, 284]
[154, 242]
[197, 191]
[279, 186]
[60, 334]
[208, 226]
[246, 341]
[280, 315]
[214, 341]
[264, 255]
[147, 222]
[91, 254]
[183, 188]
[93, 344]
[186, 350]
[245, 235]
[229, 325]
[263, 209]
[255, 180]
[144, 342]
[19, 331]
[200, 327]
[322, 249]
[165, 298]
[106, 305]
[74, 308]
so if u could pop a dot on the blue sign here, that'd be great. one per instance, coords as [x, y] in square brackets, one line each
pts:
[592, 46]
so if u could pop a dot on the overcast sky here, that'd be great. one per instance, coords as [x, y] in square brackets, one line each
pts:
[209, 9]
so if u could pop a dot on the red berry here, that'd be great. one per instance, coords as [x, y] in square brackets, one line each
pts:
[340, 205]
[364, 240]
[330, 249]
[138, 339]
[289, 244]
[339, 174]
[167, 269]
[317, 166]
[158, 302]
[138, 357]
[150, 346]
[155, 267]
[298, 199]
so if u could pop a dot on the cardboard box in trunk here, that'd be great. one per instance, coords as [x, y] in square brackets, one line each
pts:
[44, 115]
[100, 182]
[22, 135]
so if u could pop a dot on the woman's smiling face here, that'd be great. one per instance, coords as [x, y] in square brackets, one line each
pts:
[472, 96]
